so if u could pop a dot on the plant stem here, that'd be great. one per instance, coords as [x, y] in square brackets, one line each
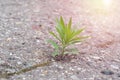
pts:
[63, 50]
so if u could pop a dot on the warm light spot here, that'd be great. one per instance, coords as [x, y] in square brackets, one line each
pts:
[107, 2]
[101, 6]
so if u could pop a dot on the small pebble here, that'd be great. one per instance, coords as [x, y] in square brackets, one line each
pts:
[114, 66]
[119, 75]
[19, 63]
[11, 58]
[24, 63]
[23, 43]
[107, 72]
[74, 77]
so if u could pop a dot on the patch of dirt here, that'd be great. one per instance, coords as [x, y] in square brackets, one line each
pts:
[64, 58]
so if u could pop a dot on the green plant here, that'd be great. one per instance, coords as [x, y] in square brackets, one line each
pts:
[66, 36]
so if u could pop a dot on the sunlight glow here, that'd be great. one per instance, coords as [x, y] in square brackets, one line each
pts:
[107, 2]
[101, 6]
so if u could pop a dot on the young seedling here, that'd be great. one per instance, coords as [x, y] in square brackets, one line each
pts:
[66, 36]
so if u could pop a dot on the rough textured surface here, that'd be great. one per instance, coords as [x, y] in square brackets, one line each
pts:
[24, 26]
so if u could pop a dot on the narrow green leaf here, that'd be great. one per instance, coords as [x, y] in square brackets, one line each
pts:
[62, 22]
[84, 37]
[56, 47]
[75, 39]
[70, 24]
[72, 51]
[54, 44]
[54, 35]
[77, 32]
[73, 42]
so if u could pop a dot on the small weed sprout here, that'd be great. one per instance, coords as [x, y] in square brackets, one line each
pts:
[66, 36]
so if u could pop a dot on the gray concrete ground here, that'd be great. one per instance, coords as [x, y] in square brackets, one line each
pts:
[24, 26]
